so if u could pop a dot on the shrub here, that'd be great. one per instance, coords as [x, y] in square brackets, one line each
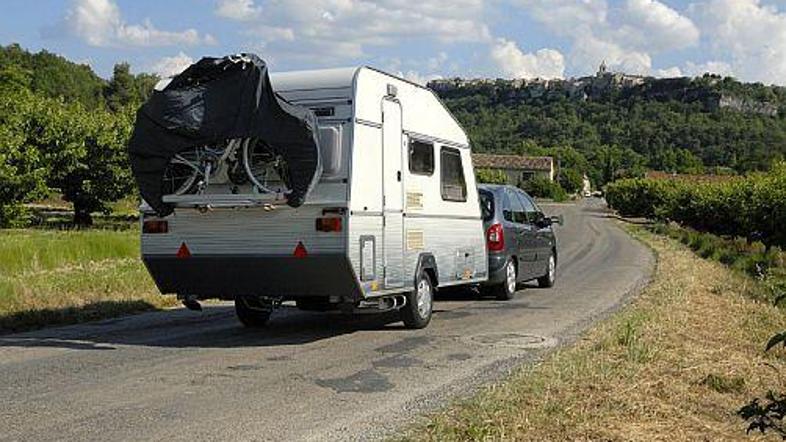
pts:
[541, 187]
[491, 176]
[753, 207]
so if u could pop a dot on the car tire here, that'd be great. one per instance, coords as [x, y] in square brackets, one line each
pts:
[506, 290]
[252, 313]
[420, 304]
[548, 280]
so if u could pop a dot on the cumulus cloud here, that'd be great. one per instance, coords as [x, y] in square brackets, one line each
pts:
[170, 66]
[671, 72]
[753, 34]
[625, 35]
[325, 30]
[100, 23]
[653, 25]
[513, 62]
[418, 78]
[711, 67]
[238, 9]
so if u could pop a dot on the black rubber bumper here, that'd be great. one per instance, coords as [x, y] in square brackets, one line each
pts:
[496, 269]
[227, 276]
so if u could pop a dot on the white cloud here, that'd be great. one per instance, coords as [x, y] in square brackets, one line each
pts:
[512, 62]
[100, 23]
[238, 9]
[653, 25]
[170, 66]
[625, 35]
[712, 67]
[671, 72]
[418, 78]
[752, 33]
[325, 31]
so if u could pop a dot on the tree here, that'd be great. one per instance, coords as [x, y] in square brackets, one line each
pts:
[21, 168]
[126, 89]
[85, 155]
[121, 90]
[571, 180]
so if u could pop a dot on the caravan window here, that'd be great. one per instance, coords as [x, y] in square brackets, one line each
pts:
[330, 150]
[454, 188]
[421, 157]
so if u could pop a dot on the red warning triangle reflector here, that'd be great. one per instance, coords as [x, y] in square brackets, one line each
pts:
[300, 250]
[183, 251]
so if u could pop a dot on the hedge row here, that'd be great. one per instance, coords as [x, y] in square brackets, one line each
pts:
[752, 207]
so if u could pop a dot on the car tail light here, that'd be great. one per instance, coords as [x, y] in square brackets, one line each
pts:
[329, 224]
[155, 226]
[495, 239]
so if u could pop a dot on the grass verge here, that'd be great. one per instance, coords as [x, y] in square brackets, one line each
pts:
[59, 277]
[676, 364]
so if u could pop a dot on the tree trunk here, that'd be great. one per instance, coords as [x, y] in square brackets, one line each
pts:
[82, 216]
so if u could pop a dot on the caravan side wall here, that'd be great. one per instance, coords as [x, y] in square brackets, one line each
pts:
[398, 216]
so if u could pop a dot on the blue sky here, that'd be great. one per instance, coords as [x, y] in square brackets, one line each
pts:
[420, 40]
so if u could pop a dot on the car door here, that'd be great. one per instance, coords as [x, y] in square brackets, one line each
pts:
[525, 238]
[543, 233]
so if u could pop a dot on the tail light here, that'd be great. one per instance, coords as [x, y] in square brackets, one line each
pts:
[495, 238]
[155, 226]
[329, 224]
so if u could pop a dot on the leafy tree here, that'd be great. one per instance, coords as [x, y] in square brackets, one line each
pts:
[53, 76]
[571, 180]
[125, 89]
[22, 170]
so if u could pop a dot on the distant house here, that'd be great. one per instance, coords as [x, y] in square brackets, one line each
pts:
[517, 168]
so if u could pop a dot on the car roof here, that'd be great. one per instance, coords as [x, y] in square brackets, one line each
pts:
[495, 187]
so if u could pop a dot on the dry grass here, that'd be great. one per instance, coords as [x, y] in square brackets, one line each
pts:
[59, 277]
[675, 365]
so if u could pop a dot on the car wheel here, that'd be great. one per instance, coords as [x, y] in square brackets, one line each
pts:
[251, 312]
[417, 312]
[507, 289]
[550, 277]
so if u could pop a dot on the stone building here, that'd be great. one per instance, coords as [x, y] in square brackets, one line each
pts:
[517, 168]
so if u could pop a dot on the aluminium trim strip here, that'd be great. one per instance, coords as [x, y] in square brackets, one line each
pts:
[430, 215]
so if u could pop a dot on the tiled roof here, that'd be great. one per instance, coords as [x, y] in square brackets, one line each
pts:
[488, 161]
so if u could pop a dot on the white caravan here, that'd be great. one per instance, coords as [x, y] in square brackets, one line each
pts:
[394, 215]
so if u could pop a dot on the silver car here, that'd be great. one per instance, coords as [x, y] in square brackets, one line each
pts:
[520, 240]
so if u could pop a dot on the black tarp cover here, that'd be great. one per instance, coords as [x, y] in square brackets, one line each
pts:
[214, 100]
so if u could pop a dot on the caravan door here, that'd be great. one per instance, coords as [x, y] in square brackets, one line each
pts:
[392, 194]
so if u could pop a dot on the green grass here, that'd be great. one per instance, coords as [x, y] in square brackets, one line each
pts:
[676, 364]
[57, 277]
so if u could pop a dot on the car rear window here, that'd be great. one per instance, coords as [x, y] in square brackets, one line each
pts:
[486, 204]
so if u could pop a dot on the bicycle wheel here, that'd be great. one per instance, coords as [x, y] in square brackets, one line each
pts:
[181, 173]
[266, 170]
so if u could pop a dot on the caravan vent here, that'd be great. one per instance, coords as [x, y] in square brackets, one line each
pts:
[414, 201]
[415, 240]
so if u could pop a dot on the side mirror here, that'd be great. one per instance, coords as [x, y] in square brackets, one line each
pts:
[556, 219]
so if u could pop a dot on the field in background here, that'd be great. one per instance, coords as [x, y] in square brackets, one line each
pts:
[677, 364]
[67, 276]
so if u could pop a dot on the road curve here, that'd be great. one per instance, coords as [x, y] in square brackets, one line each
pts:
[182, 375]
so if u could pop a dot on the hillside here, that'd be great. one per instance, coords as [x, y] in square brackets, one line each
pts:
[621, 123]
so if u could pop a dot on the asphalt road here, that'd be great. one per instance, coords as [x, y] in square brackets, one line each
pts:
[182, 375]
